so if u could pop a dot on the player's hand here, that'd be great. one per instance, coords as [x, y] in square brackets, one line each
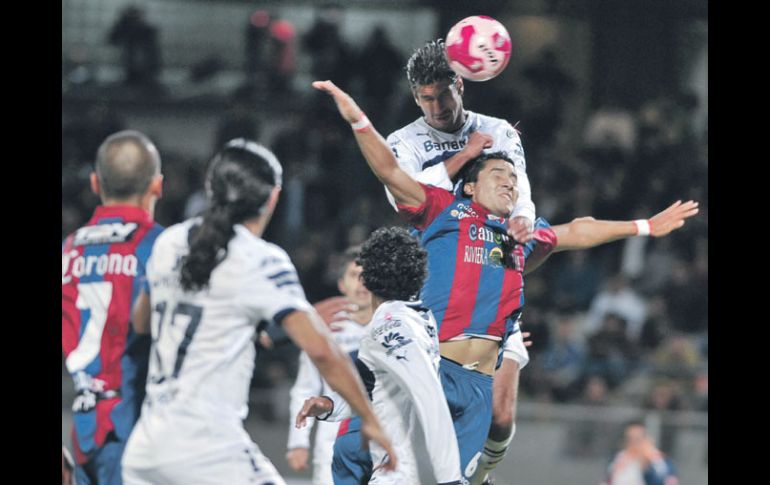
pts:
[672, 218]
[345, 104]
[297, 459]
[525, 336]
[477, 142]
[520, 228]
[315, 406]
[334, 309]
[371, 430]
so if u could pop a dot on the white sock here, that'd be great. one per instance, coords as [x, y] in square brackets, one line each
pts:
[493, 454]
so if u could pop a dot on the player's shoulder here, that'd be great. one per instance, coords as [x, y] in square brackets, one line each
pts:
[175, 234]
[408, 132]
[490, 124]
[255, 253]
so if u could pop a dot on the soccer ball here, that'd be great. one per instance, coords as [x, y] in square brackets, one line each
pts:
[478, 48]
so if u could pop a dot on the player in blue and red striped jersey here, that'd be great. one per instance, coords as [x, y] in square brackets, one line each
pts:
[475, 268]
[103, 270]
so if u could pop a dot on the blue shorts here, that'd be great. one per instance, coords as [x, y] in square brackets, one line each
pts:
[469, 396]
[352, 464]
[104, 466]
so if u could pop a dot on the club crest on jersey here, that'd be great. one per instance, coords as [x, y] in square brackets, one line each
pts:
[116, 232]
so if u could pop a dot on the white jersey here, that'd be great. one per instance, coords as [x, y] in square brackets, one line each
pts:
[421, 151]
[309, 383]
[401, 351]
[203, 352]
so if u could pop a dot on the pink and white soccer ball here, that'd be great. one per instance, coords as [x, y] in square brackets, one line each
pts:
[478, 48]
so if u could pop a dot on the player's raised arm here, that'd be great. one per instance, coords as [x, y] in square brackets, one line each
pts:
[587, 232]
[378, 155]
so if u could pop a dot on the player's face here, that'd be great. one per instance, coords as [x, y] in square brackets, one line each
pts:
[352, 287]
[495, 188]
[441, 104]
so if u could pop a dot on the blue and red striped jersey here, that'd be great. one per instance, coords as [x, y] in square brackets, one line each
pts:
[103, 270]
[474, 284]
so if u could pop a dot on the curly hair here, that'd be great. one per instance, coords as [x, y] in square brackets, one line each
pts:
[394, 264]
[428, 65]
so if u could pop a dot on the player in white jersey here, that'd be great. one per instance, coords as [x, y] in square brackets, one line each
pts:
[433, 149]
[399, 358]
[211, 281]
[348, 327]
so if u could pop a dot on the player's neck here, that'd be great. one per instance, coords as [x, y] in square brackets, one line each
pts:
[256, 226]
[136, 201]
[363, 316]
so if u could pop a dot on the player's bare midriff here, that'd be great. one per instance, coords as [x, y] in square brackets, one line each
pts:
[478, 352]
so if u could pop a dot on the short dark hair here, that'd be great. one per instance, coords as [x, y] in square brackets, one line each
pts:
[470, 171]
[394, 264]
[349, 256]
[126, 163]
[428, 65]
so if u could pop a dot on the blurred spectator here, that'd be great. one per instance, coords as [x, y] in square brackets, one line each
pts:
[562, 361]
[611, 127]
[639, 462]
[577, 281]
[282, 59]
[380, 66]
[687, 295]
[618, 297]
[240, 120]
[657, 325]
[677, 358]
[138, 40]
[330, 55]
[551, 86]
[611, 354]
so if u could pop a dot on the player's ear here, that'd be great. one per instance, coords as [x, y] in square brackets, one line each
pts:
[156, 186]
[95, 188]
[469, 188]
[460, 86]
[416, 99]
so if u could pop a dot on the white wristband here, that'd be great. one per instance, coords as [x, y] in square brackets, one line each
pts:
[361, 124]
[642, 227]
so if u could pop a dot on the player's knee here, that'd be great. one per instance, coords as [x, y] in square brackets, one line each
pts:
[502, 416]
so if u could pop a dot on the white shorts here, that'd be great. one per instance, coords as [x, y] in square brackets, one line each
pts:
[248, 466]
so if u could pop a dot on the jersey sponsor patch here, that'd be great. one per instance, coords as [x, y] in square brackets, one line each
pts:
[116, 232]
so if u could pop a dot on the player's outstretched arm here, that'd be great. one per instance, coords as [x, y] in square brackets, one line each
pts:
[404, 188]
[587, 232]
[308, 331]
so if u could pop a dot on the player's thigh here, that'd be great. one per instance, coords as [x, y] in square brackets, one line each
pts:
[107, 463]
[351, 463]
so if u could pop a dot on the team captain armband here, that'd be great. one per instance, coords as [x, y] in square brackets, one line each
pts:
[362, 124]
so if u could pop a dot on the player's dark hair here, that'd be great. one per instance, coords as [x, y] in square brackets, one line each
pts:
[349, 256]
[394, 265]
[238, 183]
[126, 163]
[470, 171]
[428, 65]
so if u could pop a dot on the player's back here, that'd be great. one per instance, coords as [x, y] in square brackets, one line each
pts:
[103, 269]
[203, 352]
